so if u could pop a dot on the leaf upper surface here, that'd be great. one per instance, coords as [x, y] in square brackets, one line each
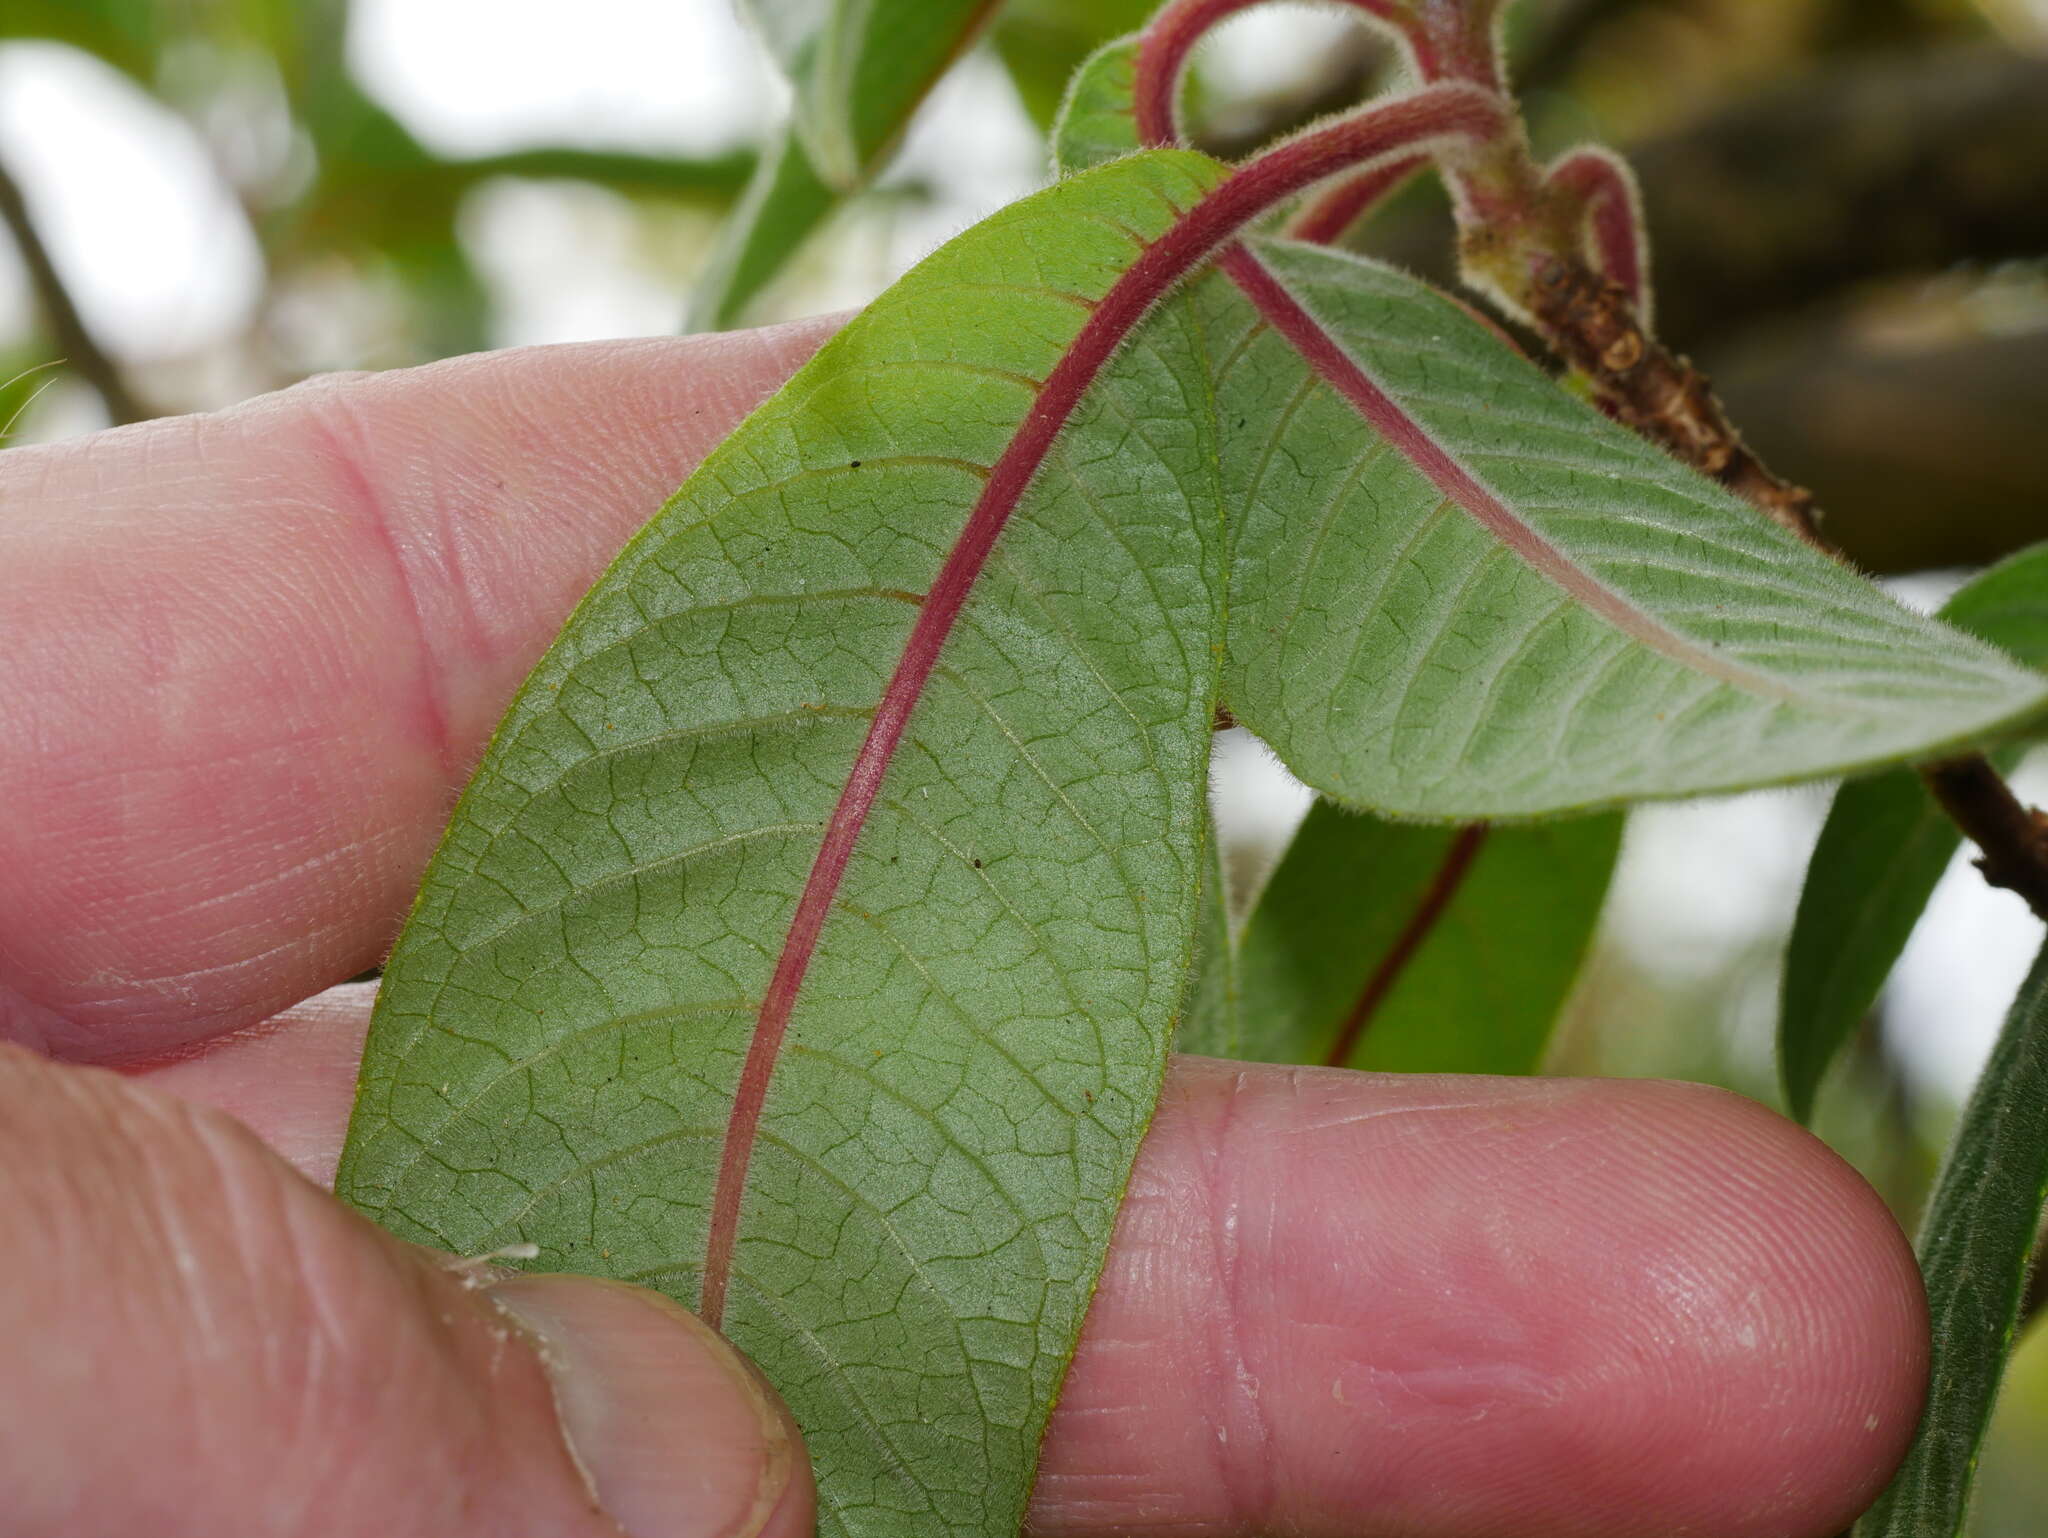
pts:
[977, 1046]
[1454, 949]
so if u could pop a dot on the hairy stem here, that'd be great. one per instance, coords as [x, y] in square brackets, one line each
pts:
[60, 312]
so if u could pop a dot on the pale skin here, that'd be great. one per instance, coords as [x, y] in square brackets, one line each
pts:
[250, 658]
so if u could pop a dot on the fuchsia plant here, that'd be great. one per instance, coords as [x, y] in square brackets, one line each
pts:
[811, 941]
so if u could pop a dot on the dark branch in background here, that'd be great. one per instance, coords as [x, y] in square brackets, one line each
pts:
[1889, 166]
[1570, 26]
[60, 313]
[1925, 448]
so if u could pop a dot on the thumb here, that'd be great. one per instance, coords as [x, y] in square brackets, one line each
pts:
[195, 1340]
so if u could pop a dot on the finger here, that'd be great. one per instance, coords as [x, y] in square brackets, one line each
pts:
[196, 1341]
[1352, 1304]
[252, 655]
[1349, 1305]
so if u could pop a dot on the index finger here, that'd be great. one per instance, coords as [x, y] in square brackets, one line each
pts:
[253, 655]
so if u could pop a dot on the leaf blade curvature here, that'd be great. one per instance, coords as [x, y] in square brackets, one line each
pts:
[1881, 853]
[943, 1140]
[1523, 609]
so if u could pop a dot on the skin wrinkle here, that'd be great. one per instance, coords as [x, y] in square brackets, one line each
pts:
[1243, 1455]
[413, 1416]
[338, 428]
[1395, 1247]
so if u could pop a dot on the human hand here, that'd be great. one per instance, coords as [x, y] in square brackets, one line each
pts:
[250, 659]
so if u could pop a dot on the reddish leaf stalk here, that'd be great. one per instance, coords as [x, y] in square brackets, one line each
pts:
[1435, 114]
[1326, 218]
[1450, 876]
[1524, 237]
[1601, 185]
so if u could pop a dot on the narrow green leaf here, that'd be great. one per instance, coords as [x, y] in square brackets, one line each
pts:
[859, 69]
[1418, 949]
[784, 202]
[950, 1098]
[1974, 1248]
[1881, 852]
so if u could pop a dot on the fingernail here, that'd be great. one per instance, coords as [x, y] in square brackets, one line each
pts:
[677, 1434]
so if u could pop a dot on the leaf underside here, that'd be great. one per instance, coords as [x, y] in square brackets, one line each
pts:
[979, 1042]
[1881, 853]
[1456, 592]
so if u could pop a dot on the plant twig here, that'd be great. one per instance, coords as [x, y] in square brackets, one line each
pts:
[60, 313]
[2013, 836]
[1590, 323]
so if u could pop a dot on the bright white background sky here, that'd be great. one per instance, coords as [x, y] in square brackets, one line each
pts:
[163, 265]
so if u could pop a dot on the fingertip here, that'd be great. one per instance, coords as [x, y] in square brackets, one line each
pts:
[1465, 1306]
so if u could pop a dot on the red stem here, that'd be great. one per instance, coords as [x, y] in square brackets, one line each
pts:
[1450, 876]
[1437, 112]
[1170, 37]
[1603, 189]
[1327, 217]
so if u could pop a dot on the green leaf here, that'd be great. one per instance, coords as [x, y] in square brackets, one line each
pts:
[1044, 43]
[1495, 603]
[1974, 1248]
[784, 202]
[1095, 123]
[976, 1046]
[860, 68]
[1882, 850]
[1211, 1017]
[1413, 949]
[2007, 605]
[1457, 593]
[131, 35]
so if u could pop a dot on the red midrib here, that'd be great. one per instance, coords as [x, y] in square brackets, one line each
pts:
[1391, 420]
[1438, 112]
